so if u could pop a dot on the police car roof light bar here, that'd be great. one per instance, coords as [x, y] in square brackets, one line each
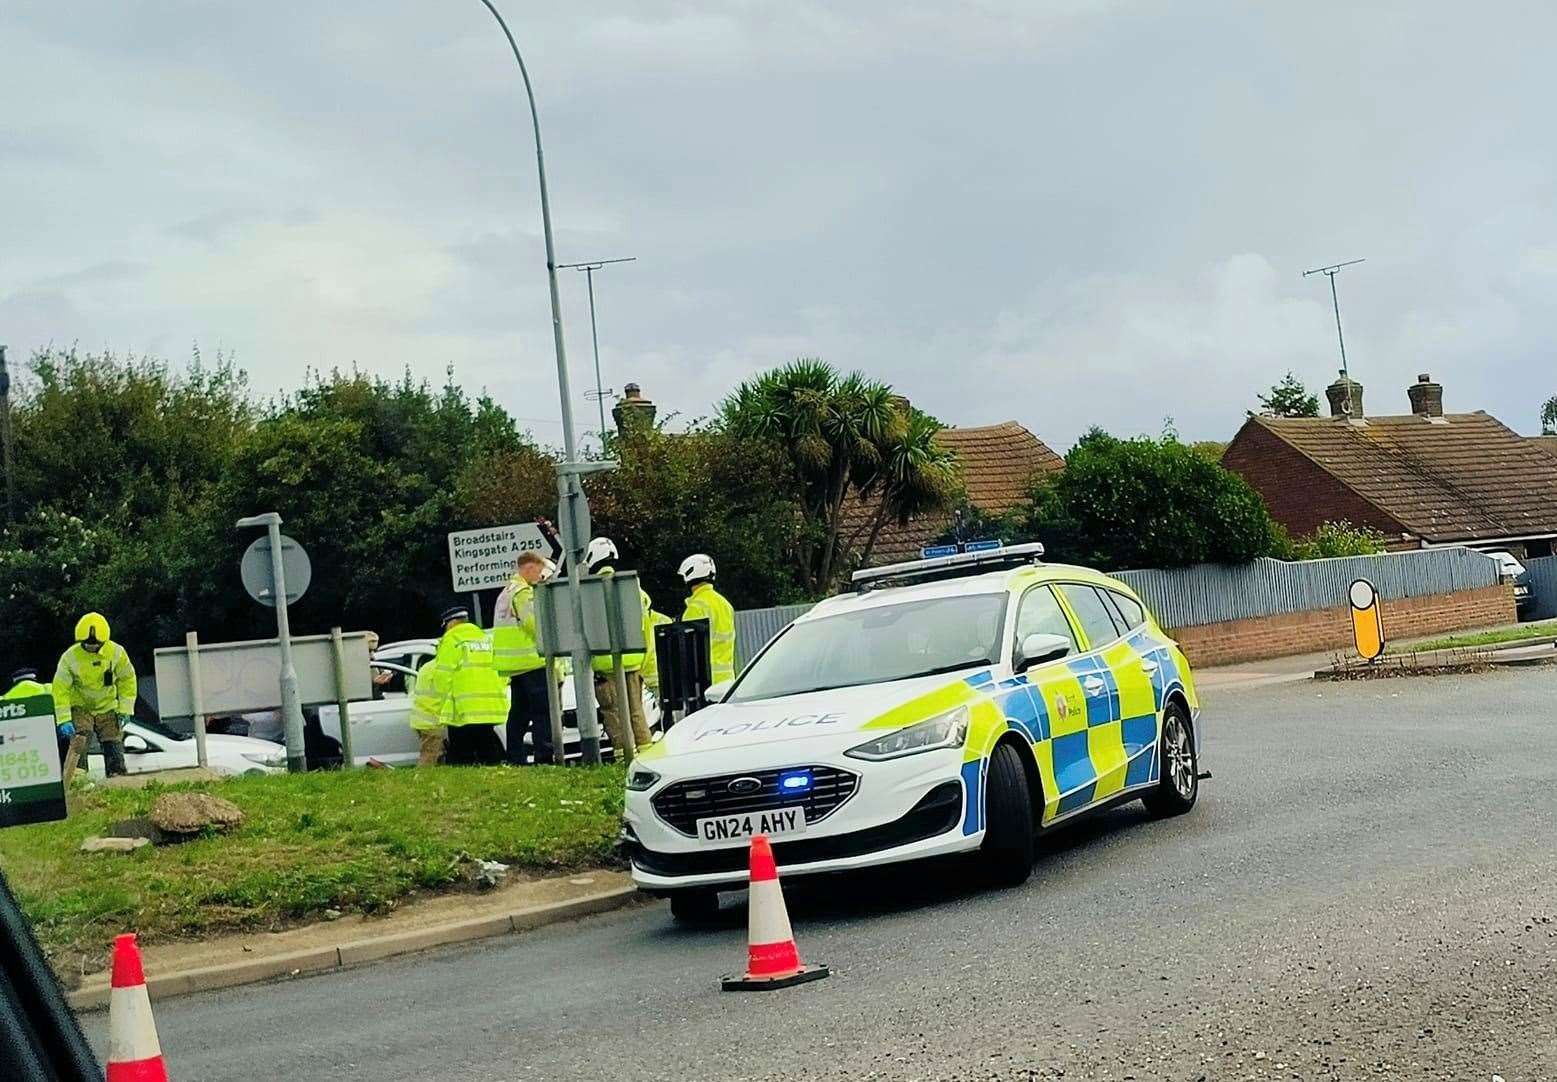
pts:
[947, 567]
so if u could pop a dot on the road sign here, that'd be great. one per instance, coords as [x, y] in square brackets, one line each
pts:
[1367, 620]
[981, 546]
[256, 571]
[30, 787]
[930, 552]
[484, 559]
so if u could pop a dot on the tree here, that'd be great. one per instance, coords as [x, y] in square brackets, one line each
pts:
[1146, 503]
[1289, 398]
[914, 476]
[1549, 416]
[835, 430]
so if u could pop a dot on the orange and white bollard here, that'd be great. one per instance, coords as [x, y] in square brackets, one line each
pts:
[772, 958]
[134, 1053]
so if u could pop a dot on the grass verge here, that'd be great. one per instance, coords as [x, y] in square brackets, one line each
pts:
[355, 841]
[1495, 637]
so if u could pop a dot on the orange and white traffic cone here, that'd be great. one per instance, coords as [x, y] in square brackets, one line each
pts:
[772, 959]
[134, 1054]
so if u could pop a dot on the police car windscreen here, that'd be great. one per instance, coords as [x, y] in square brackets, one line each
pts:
[878, 644]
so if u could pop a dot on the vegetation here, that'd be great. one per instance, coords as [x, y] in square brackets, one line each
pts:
[1289, 398]
[1146, 503]
[1337, 539]
[1549, 416]
[844, 435]
[361, 840]
[1496, 636]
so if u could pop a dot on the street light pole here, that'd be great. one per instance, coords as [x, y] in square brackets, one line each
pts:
[5, 440]
[589, 270]
[573, 506]
[291, 701]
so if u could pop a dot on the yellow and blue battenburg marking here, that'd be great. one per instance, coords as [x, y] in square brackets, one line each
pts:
[1092, 723]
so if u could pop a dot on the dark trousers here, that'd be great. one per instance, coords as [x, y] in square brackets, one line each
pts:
[528, 713]
[474, 745]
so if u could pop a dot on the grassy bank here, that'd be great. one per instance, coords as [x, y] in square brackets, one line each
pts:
[1500, 636]
[350, 841]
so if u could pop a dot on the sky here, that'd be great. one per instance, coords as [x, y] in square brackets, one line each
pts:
[1061, 212]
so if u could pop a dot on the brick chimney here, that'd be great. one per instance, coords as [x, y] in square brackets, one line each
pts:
[1345, 396]
[1426, 396]
[633, 409]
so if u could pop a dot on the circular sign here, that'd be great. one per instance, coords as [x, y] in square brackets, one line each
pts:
[256, 571]
[1362, 594]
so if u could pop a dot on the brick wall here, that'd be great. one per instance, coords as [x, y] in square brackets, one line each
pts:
[1331, 629]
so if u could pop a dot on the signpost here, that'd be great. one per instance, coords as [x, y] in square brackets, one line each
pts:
[1367, 620]
[484, 559]
[281, 597]
[31, 785]
[612, 617]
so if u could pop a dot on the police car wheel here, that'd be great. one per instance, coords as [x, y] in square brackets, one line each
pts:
[1180, 784]
[1008, 834]
[695, 906]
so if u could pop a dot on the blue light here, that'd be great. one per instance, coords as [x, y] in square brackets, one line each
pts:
[797, 782]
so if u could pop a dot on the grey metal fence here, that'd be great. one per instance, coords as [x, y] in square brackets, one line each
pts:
[1541, 574]
[755, 628]
[1211, 593]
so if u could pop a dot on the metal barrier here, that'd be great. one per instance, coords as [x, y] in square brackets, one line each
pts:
[1212, 593]
[755, 628]
[1541, 574]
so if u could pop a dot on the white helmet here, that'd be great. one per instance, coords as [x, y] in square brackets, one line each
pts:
[549, 571]
[696, 568]
[601, 550]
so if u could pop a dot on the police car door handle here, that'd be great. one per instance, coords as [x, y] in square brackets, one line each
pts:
[1148, 666]
[1094, 685]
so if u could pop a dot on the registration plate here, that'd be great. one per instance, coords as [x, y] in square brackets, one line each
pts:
[776, 823]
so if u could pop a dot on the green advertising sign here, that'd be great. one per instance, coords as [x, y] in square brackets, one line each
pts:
[30, 787]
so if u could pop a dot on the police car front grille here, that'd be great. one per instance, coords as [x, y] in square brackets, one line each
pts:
[684, 803]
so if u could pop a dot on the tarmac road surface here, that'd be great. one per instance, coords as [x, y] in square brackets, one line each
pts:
[1368, 888]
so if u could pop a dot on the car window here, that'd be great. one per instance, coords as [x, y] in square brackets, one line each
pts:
[1129, 609]
[1041, 614]
[878, 644]
[1096, 616]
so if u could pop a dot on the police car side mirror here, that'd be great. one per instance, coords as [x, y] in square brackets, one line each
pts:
[718, 690]
[1037, 649]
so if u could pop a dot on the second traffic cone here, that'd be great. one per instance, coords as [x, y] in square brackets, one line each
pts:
[772, 959]
[134, 1054]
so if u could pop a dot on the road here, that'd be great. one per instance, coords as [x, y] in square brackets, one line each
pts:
[1367, 888]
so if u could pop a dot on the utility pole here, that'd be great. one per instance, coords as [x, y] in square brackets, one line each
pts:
[589, 270]
[5, 441]
[573, 507]
[1335, 300]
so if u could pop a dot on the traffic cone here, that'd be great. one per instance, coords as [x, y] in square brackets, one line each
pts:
[772, 959]
[134, 1054]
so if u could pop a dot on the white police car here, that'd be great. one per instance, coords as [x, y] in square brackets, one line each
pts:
[951, 705]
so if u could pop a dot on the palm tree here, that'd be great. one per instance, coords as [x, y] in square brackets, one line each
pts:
[915, 476]
[838, 430]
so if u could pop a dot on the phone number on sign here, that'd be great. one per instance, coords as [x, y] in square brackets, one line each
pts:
[20, 766]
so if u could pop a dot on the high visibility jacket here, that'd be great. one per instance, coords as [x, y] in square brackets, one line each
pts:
[464, 679]
[424, 677]
[26, 689]
[630, 662]
[709, 604]
[651, 663]
[514, 644]
[100, 683]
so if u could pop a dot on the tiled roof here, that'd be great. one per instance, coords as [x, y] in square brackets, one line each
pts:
[999, 464]
[1457, 478]
[1545, 443]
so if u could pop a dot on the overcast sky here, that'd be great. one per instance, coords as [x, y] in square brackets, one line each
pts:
[1063, 212]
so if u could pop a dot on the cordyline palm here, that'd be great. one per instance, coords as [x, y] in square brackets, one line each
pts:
[914, 476]
[836, 430]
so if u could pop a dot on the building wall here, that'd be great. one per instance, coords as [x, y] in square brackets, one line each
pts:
[1300, 494]
[1315, 630]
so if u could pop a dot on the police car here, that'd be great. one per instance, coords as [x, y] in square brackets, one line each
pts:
[959, 704]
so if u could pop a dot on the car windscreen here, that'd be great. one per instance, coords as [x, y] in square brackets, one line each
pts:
[156, 727]
[878, 644]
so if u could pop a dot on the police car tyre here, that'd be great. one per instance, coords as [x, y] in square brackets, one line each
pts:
[695, 906]
[1008, 833]
[1180, 785]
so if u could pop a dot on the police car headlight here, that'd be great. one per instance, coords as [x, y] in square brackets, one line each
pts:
[946, 730]
[641, 778]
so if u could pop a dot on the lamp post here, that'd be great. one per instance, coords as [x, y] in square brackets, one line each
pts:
[573, 507]
[589, 270]
[5, 440]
